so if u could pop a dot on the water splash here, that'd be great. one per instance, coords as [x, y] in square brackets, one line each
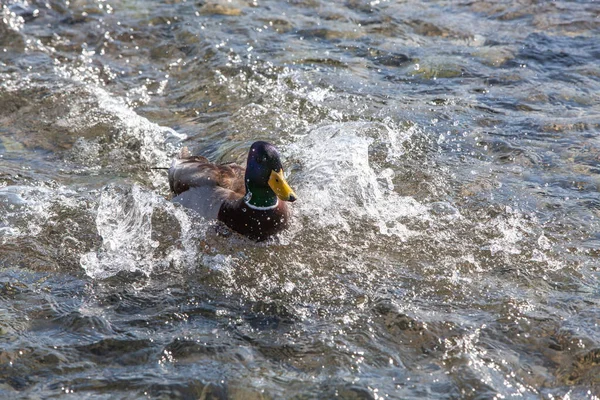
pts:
[152, 143]
[26, 209]
[466, 350]
[340, 187]
[125, 223]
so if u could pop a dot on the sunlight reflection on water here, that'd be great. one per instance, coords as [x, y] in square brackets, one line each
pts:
[445, 240]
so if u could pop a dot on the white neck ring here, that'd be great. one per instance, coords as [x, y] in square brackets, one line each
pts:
[258, 208]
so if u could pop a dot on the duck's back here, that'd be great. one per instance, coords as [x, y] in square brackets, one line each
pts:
[204, 186]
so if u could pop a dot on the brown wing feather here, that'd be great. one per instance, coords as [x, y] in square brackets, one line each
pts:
[204, 186]
[231, 176]
[196, 171]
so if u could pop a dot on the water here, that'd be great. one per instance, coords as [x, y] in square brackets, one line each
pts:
[445, 244]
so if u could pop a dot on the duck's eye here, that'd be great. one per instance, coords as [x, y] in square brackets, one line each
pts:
[277, 180]
[263, 160]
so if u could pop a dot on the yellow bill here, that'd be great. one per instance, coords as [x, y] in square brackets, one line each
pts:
[281, 188]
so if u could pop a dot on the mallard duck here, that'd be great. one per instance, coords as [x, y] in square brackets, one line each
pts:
[251, 200]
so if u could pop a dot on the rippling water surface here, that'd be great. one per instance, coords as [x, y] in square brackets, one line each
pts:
[445, 244]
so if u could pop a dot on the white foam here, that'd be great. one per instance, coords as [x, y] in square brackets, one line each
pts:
[512, 229]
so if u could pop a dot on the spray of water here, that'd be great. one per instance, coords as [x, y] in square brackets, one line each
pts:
[125, 222]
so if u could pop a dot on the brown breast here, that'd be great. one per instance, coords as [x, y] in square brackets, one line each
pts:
[256, 224]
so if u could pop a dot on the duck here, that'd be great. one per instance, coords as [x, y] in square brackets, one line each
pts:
[252, 201]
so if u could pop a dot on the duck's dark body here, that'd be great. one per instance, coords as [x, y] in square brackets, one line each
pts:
[256, 224]
[221, 192]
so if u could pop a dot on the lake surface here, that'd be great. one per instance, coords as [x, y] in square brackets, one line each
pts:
[446, 240]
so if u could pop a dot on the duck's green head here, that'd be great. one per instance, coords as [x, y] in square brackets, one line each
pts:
[264, 177]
